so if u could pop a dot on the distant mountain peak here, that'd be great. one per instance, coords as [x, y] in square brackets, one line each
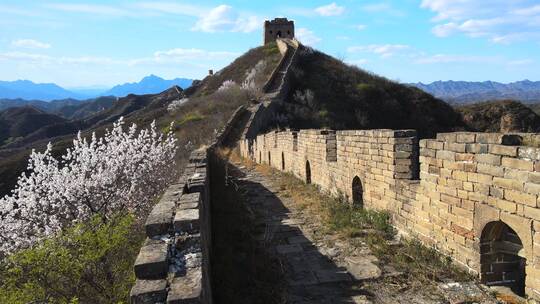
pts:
[150, 84]
[471, 91]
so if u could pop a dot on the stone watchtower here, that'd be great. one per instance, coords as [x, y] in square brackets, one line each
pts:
[278, 28]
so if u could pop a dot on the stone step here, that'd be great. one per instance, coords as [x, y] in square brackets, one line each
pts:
[148, 292]
[152, 261]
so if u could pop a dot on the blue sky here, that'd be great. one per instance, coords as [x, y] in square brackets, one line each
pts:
[102, 43]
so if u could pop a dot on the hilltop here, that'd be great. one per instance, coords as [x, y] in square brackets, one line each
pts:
[500, 116]
[327, 93]
[16, 123]
[205, 111]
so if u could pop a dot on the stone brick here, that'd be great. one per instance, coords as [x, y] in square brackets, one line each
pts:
[447, 137]
[466, 137]
[488, 159]
[476, 148]
[186, 220]
[148, 292]
[435, 145]
[531, 212]
[159, 220]
[186, 289]
[515, 163]
[151, 263]
[503, 204]
[532, 188]
[479, 178]
[488, 138]
[490, 170]
[503, 150]
[455, 147]
[520, 197]
[529, 153]
[446, 155]
[508, 183]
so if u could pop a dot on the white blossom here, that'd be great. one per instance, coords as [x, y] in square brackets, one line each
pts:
[227, 85]
[251, 76]
[176, 104]
[123, 171]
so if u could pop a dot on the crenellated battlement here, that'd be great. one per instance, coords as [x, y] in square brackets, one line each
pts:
[472, 196]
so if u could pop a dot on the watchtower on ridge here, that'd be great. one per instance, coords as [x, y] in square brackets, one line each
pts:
[278, 28]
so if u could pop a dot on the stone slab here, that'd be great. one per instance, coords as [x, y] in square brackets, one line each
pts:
[186, 220]
[148, 292]
[159, 221]
[186, 289]
[151, 263]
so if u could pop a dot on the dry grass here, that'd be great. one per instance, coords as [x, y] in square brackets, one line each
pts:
[423, 267]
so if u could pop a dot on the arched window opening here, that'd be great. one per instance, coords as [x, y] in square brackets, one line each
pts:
[357, 192]
[269, 159]
[282, 161]
[260, 157]
[308, 173]
[502, 257]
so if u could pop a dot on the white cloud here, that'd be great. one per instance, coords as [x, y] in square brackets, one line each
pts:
[357, 62]
[177, 55]
[331, 9]
[30, 44]
[500, 21]
[520, 62]
[307, 37]
[96, 9]
[360, 27]
[180, 54]
[224, 19]
[448, 58]
[385, 8]
[384, 50]
[173, 8]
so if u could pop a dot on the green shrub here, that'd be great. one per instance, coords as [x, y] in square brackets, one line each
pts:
[89, 263]
[193, 116]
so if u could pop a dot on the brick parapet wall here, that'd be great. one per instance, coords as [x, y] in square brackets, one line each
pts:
[442, 191]
[173, 265]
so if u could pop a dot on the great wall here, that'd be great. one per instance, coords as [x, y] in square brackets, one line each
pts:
[472, 196]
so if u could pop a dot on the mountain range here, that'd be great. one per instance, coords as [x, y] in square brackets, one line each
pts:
[28, 90]
[466, 91]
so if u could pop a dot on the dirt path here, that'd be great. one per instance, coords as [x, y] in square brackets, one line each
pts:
[327, 268]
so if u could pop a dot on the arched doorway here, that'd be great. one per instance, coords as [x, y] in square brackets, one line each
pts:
[269, 159]
[357, 192]
[278, 35]
[282, 161]
[308, 173]
[502, 257]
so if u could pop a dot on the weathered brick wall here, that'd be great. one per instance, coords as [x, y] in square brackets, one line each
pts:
[173, 265]
[467, 183]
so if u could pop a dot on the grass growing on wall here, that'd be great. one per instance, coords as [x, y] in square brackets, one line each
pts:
[423, 267]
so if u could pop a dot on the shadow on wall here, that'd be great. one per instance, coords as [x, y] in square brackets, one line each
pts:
[261, 256]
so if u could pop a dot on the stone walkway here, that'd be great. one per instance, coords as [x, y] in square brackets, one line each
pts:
[311, 273]
[327, 269]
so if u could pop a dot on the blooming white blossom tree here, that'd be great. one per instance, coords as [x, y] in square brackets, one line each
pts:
[253, 75]
[123, 171]
[227, 85]
[176, 104]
